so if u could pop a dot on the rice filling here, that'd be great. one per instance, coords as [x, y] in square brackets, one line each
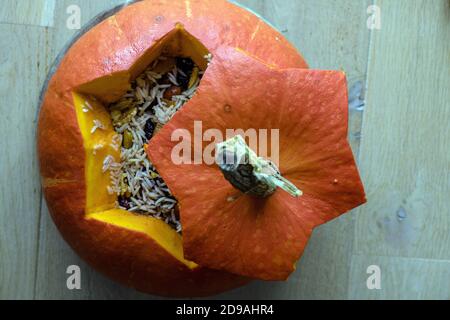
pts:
[155, 96]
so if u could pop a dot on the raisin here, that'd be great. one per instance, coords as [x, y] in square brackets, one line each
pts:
[149, 129]
[186, 65]
[177, 212]
[124, 202]
[183, 80]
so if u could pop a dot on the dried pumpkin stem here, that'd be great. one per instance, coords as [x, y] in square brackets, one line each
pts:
[249, 173]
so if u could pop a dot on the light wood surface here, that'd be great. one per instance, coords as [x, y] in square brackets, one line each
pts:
[401, 140]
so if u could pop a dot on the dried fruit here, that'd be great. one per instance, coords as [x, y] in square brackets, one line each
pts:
[127, 140]
[116, 115]
[186, 65]
[153, 175]
[124, 190]
[183, 80]
[149, 129]
[172, 91]
[126, 117]
[194, 77]
[124, 202]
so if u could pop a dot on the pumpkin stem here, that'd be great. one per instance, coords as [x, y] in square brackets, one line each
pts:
[249, 173]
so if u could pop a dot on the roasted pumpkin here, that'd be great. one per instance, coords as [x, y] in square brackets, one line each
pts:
[76, 138]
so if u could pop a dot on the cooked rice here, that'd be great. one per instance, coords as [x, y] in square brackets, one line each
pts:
[97, 125]
[135, 178]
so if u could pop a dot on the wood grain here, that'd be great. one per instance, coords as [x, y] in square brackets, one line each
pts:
[404, 152]
[404, 155]
[19, 188]
[26, 12]
[341, 25]
[401, 279]
[88, 10]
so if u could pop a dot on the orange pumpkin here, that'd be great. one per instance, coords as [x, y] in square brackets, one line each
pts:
[138, 251]
[230, 230]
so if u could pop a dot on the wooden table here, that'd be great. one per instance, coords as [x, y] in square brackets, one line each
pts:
[401, 140]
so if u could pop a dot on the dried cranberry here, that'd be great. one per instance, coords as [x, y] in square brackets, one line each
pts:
[172, 91]
[149, 129]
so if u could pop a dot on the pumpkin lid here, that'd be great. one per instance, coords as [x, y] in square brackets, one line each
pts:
[305, 113]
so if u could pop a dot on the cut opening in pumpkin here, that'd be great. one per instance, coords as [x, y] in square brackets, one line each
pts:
[155, 96]
[117, 116]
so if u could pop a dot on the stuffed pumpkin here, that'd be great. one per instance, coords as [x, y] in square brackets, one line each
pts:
[192, 228]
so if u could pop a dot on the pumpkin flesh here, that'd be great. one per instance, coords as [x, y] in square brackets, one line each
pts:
[101, 204]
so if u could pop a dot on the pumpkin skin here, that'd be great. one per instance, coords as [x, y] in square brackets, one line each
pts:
[101, 63]
[262, 238]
